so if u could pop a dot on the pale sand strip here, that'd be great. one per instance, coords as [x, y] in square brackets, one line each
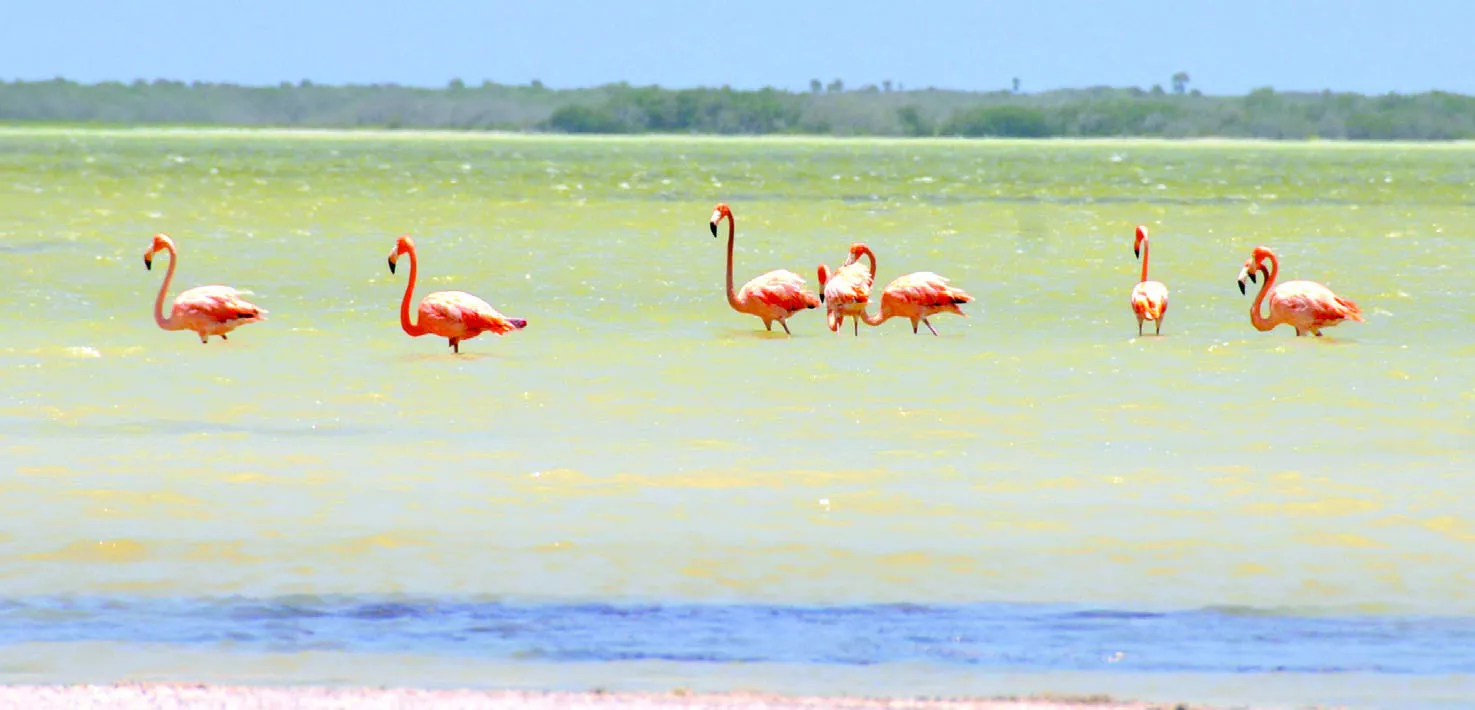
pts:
[221, 697]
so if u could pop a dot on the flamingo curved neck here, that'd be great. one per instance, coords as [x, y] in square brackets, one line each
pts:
[412, 329]
[876, 318]
[872, 256]
[732, 298]
[166, 323]
[1146, 250]
[1262, 323]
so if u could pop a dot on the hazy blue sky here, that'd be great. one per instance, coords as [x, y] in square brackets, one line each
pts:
[1228, 47]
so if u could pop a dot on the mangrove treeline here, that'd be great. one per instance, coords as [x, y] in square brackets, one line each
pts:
[871, 110]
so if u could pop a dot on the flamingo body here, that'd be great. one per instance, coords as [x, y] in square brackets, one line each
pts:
[213, 310]
[775, 296]
[461, 316]
[846, 293]
[1306, 306]
[453, 315]
[1149, 301]
[205, 310]
[917, 296]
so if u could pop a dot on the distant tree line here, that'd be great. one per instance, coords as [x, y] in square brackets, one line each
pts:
[827, 108]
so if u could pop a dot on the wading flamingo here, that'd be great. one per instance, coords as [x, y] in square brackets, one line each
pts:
[454, 315]
[1149, 298]
[774, 296]
[1306, 306]
[206, 310]
[846, 292]
[914, 296]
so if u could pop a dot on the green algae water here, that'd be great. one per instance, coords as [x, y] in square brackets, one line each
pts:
[642, 441]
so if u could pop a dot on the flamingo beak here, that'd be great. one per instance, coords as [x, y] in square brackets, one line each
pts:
[1137, 252]
[1242, 274]
[391, 264]
[148, 262]
[1252, 277]
[713, 225]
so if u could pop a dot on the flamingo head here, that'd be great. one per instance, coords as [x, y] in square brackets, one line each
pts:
[857, 250]
[824, 275]
[1256, 262]
[161, 242]
[402, 245]
[1247, 272]
[718, 212]
[1141, 237]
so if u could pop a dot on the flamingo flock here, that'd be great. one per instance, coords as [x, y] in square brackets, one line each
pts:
[776, 296]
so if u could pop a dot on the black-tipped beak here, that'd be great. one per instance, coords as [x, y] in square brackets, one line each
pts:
[391, 266]
[148, 263]
[821, 296]
[713, 225]
[1137, 252]
[1241, 288]
[1252, 278]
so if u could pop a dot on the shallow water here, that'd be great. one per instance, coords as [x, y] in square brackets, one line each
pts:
[639, 441]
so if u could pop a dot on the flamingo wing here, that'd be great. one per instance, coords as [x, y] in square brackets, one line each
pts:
[1150, 299]
[458, 314]
[1316, 303]
[926, 289]
[218, 304]
[781, 289]
[851, 284]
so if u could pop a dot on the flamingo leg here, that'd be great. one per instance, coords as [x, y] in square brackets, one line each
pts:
[205, 339]
[856, 321]
[785, 324]
[768, 325]
[1139, 327]
[914, 326]
[222, 337]
[929, 326]
[456, 345]
[1159, 326]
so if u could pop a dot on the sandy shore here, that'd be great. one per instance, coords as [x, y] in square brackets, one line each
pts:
[221, 697]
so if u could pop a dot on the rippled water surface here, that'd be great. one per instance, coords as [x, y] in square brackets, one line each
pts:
[641, 442]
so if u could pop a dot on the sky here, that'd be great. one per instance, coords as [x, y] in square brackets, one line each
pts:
[1369, 46]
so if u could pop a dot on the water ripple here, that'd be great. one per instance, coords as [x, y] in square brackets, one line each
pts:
[1003, 637]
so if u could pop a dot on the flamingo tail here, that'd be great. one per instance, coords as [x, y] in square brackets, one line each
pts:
[1350, 309]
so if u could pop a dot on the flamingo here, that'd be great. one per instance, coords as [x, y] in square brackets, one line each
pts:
[1306, 306]
[774, 296]
[1149, 298]
[847, 291]
[454, 315]
[206, 310]
[914, 296]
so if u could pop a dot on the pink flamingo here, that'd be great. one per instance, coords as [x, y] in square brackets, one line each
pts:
[914, 296]
[1149, 298]
[1306, 306]
[774, 296]
[454, 315]
[847, 291]
[206, 310]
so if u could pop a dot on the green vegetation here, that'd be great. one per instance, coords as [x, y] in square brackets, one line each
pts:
[825, 108]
